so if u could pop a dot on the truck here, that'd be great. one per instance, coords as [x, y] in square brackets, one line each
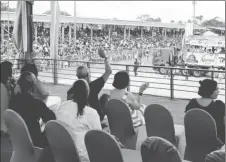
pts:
[199, 52]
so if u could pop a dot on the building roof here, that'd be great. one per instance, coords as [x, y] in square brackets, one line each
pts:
[217, 28]
[80, 20]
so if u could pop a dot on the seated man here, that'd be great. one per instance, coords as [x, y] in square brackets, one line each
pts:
[95, 86]
[53, 102]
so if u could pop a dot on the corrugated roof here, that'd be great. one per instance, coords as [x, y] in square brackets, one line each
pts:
[217, 28]
[67, 19]
[70, 19]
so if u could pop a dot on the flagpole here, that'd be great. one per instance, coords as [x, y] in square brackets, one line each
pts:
[75, 23]
[8, 28]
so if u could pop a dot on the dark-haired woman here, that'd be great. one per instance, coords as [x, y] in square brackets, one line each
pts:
[8, 83]
[209, 91]
[79, 117]
[6, 77]
[121, 82]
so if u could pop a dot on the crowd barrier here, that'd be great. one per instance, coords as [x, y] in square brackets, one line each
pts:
[173, 84]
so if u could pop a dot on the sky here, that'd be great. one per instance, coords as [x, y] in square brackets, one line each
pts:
[130, 10]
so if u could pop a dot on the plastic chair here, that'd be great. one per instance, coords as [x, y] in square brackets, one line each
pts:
[120, 123]
[61, 142]
[157, 149]
[201, 135]
[216, 156]
[4, 105]
[23, 148]
[102, 147]
[159, 122]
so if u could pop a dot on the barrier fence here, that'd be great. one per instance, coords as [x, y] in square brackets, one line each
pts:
[172, 84]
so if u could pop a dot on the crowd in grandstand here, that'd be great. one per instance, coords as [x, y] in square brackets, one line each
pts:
[86, 49]
[83, 112]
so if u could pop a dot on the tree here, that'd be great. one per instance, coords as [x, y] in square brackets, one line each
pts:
[172, 21]
[148, 18]
[200, 18]
[189, 21]
[63, 13]
[180, 22]
[214, 22]
[4, 7]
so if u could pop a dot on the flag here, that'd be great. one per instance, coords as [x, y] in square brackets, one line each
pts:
[22, 27]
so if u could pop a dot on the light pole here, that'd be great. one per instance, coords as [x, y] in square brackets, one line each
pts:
[194, 3]
[75, 23]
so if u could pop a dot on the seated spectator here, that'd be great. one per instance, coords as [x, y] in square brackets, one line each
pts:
[121, 82]
[8, 83]
[209, 91]
[95, 86]
[6, 77]
[216, 156]
[53, 102]
[79, 117]
[31, 109]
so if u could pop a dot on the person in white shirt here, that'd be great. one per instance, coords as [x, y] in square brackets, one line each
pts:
[79, 117]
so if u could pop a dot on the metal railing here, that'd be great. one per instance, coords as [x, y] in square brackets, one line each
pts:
[171, 84]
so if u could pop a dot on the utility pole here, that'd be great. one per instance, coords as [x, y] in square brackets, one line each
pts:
[75, 23]
[194, 3]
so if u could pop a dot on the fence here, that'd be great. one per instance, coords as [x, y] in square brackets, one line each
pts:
[172, 84]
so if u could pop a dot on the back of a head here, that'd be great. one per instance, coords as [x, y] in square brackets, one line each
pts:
[80, 93]
[6, 71]
[156, 149]
[207, 87]
[82, 72]
[26, 82]
[30, 67]
[121, 80]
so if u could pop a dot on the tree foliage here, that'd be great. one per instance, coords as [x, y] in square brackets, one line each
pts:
[214, 22]
[63, 13]
[4, 7]
[148, 18]
[180, 22]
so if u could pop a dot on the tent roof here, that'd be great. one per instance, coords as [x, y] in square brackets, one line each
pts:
[70, 19]
[217, 28]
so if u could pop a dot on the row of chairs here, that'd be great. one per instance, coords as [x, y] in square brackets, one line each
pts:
[100, 145]
[65, 151]
[200, 128]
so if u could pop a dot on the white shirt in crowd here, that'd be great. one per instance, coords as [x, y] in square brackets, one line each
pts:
[79, 125]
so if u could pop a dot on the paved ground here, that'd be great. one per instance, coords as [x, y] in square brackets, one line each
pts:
[176, 107]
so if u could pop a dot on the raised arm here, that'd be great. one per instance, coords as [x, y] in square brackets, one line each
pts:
[108, 70]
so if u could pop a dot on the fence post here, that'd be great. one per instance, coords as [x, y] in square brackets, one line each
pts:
[171, 84]
[212, 74]
[127, 69]
[88, 65]
[55, 75]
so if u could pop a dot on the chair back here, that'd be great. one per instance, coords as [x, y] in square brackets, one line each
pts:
[23, 149]
[156, 149]
[216, 156]
[120, 121]
[4, 105]
[159, 122]
[102, 147]
[201, 135]
[61, 142]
